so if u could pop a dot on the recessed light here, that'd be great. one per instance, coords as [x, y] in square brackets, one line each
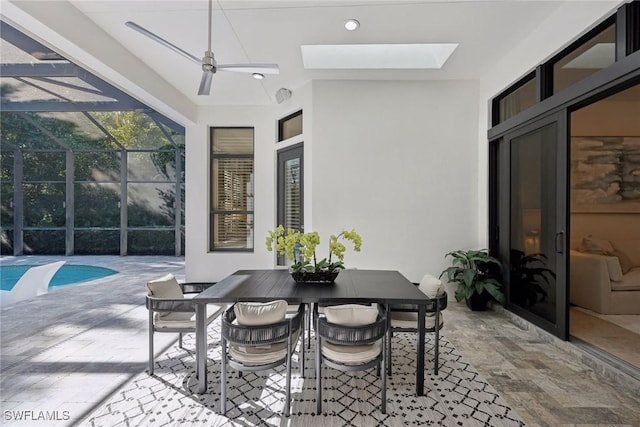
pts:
[351, 25]
[258, 76]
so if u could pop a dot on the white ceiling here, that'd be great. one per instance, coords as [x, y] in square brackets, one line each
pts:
[273, 31]
[267, 31]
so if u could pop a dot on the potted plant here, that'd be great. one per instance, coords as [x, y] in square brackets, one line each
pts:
[476, 274]
[300, 248]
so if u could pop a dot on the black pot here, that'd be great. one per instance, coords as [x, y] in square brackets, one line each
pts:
[478, 302]
[315, 277]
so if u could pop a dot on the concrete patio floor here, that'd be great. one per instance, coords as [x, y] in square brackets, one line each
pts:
[65, 353]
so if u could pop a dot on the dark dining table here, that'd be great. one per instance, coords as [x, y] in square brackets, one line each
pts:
[351, 286]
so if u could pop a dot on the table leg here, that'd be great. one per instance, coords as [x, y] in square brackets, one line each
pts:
[201, 346]
[420, 356]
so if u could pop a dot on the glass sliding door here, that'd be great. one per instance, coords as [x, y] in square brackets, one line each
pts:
[290, 189]
[536, 233]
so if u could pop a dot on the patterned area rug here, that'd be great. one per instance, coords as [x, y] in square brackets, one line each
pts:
[457, 396]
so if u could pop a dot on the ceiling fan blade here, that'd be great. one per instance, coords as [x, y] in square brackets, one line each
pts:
[250, 68]
[162, 41]
[205, 83]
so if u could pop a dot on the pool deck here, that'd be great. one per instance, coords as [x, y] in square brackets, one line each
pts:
[72, 349]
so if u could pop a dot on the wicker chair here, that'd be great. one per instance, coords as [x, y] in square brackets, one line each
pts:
[260, 347]
[171, 309]
[347, 348]
[404, 317]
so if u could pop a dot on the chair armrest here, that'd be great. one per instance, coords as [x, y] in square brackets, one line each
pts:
[170, 304]
[195, 287]
[433, 305]
[262, 334]
[352, 335]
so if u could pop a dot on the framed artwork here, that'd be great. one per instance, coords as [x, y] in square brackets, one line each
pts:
[605, 174]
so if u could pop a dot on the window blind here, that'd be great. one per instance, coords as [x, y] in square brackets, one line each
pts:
[231, 189]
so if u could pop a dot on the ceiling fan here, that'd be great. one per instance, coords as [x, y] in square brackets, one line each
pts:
[208, 62]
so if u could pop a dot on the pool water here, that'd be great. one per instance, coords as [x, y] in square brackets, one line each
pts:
[68, 274]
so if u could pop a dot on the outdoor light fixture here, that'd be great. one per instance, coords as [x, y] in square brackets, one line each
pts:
[351, 25]
[282, 95]
[258, 76]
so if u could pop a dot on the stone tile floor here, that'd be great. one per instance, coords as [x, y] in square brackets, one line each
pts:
[65, 353]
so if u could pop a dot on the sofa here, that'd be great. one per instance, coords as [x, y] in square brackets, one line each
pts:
[605, 275]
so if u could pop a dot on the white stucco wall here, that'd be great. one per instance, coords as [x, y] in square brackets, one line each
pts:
[394, 160]
[201, 264]
[397, 161]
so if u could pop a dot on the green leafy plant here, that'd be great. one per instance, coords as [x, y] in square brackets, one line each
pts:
[300, 248]
[474, 272]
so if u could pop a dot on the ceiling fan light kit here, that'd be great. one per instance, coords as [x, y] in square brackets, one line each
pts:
[208, 63]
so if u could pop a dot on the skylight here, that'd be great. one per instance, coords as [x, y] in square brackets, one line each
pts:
[377, 56]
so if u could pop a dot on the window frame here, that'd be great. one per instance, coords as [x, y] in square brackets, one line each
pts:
[284, 120]
[213, 212]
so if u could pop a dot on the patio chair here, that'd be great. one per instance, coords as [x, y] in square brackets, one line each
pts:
[351, 337]
[260, 336]
[34, 282]
[171, 310]
[404, 317]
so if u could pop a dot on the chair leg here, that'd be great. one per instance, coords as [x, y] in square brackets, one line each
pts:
[307, 317]
[287, 402]
[180, 339]
[302, 357]
[390, 337]
[384, 385]
[223, 379]
[151, 361]
[318, 378]
[436, 362]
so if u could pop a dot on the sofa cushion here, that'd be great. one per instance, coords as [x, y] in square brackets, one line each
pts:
[629, 282]
[613, 265]
[625, 262]
[631, 248]
[596, 245]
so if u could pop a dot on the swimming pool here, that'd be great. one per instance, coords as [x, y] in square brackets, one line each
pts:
[68, 274]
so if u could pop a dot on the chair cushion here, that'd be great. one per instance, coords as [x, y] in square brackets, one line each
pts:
[257, 313]
[261, 354]
[258, 355]
[164, 287]
[431, 286]
[409, 320]
[351, 354]
[351, 314]
[168, 287]
[186, 320]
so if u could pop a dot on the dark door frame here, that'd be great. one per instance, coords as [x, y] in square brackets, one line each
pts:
[501, 217]
[619, 76]
[288, 153]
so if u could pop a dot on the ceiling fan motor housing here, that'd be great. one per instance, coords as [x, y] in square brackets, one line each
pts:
[208, 62]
